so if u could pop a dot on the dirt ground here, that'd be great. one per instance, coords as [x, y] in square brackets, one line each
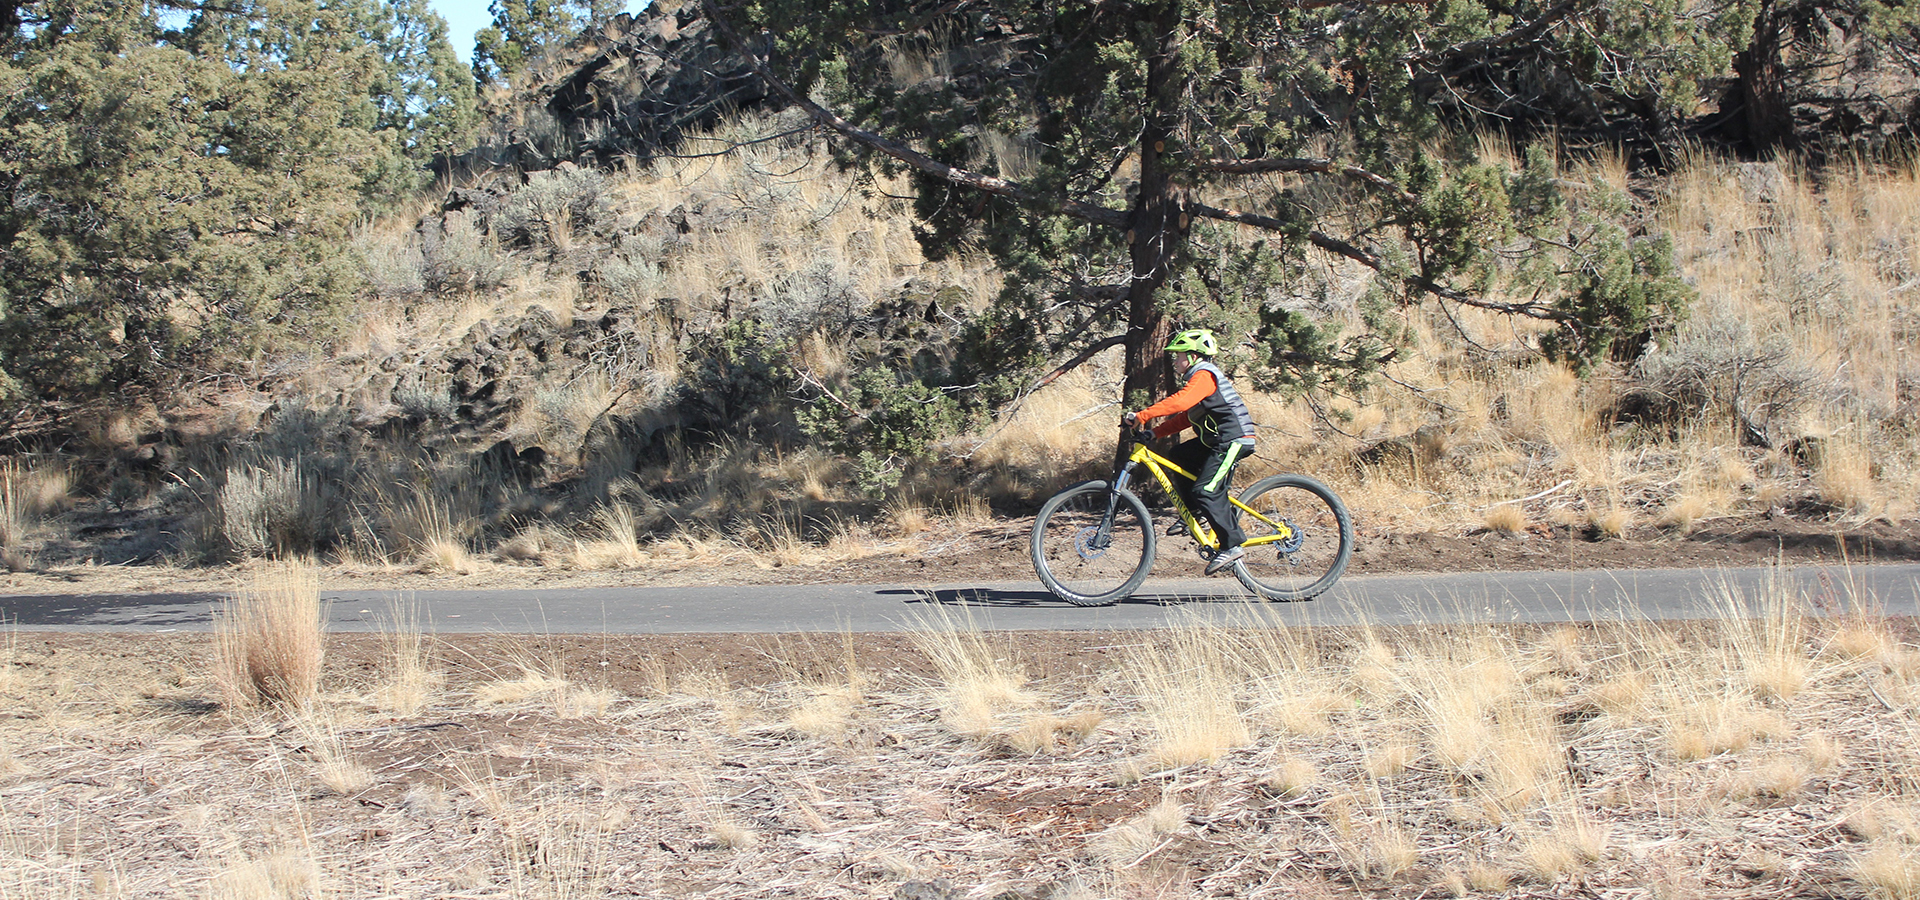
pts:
[845, 766]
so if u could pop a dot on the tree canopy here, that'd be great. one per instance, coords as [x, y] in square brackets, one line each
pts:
[524, 29]
[179, 178]
[1133, 165]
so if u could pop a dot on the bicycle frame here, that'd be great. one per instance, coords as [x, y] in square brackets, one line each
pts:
[1161, 466]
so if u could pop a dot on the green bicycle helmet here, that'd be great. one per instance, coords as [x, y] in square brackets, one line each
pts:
[1198, 340]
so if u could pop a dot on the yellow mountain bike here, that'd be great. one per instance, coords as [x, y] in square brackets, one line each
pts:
[1093, 543]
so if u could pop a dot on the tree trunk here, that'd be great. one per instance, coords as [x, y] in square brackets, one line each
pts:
[1759, 88]
[1156, 241]
[1157, 228]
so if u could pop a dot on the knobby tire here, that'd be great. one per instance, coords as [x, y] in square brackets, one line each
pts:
[1324, 545]
[1065, 551]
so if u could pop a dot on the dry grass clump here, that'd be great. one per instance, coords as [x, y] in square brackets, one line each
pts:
[1390, 759]
[28, 495]
[1684, 511]
[1774, 778]
[284, 874]
[1292, 776]
[617, 544]
[1888, 870]
[269, 639]
[1567, 845]
[907, 519]
[733, 836]
[537, 682]
[433, 527]
[531, 545]
[982, 687]
[10, 764]
[1291, 685]
[414, 674]
[1861, 638]
[1771, 649]
[823, 706]
[1507, 518]
[1128, 843]
[1610, 521]
[537, 678]
[1703, 723]
[1845, 479]
[1190, 696]
[333, 764]
[449, 556]
[550, 846]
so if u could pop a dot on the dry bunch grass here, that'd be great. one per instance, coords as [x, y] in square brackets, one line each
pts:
[1792, 334]
[414, 674]
[1467, 759]
[270, 639]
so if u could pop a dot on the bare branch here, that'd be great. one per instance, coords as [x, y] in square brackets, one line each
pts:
[1373, 261]
[735, 146]
[1306, 164]
[806, 378]
[1004, 415]
[1075, 363]
[1112, 294]
[990, 184]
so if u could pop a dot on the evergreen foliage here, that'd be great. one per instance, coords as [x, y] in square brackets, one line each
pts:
[1135, 167]
[184, 184]
[522, 30]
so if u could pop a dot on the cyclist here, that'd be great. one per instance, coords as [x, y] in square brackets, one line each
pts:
[1223, 431]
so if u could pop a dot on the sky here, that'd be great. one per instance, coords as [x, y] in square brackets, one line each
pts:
[464, 17]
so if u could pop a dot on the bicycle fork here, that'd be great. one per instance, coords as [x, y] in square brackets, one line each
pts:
[1105, 534]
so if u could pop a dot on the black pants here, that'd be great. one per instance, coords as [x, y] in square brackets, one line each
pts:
[1214, 469]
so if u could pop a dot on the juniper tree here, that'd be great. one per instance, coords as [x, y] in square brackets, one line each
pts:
[1131, 165]
[524, 29]
[176, 187]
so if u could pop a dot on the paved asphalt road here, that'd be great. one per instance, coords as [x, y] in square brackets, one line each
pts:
[1653, 594]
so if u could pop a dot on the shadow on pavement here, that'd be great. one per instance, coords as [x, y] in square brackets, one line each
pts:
[92, 610]
[1027, 599]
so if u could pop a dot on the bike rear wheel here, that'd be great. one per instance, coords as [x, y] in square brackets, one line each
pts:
[1080, 561]
[1307, 564]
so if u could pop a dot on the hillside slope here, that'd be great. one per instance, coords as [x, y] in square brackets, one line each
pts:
[660, 368]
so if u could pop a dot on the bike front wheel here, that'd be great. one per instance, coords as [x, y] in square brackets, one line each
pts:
[1310, 560]
[1083, 556]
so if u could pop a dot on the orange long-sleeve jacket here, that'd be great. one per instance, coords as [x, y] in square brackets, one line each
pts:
[1175, 407]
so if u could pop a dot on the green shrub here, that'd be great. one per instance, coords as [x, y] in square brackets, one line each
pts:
[459, 256]
[734, 382]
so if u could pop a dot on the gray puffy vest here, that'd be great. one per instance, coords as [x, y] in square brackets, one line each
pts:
[1221, 417]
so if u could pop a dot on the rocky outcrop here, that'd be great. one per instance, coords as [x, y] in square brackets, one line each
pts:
[628, 88]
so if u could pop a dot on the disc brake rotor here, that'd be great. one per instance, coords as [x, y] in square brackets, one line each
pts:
[1292, 544]
[1089, 544]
